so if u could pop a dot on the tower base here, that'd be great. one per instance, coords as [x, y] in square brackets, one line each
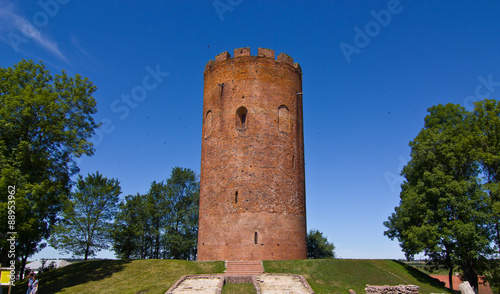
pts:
[252, 238]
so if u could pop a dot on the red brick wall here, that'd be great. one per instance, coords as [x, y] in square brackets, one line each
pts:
[252, 178]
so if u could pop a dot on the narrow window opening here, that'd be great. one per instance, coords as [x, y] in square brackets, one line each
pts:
[283, 119]
[236, 197]
[256, 238]
[221, 89]
[208, 124]
[241, 118]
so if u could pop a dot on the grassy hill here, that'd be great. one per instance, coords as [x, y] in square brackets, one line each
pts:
[422, 266]
[340, 275]
[119, 276]
[156, 276]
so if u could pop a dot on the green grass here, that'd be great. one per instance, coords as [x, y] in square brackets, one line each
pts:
[156, 276]
[422, 266]
[119, 276]
[340, 275]
[245, 288]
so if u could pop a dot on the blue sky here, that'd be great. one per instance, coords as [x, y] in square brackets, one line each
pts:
[370, 71]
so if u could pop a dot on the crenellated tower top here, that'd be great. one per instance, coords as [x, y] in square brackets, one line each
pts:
[245, 52]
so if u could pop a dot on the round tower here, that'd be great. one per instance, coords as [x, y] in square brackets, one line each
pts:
[252, 193]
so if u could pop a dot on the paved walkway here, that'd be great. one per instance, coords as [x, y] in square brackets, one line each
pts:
[267, 283]
[207, 285]
[280, 283]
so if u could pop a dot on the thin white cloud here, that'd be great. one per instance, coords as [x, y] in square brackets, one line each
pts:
[76, 43]
[17, 31]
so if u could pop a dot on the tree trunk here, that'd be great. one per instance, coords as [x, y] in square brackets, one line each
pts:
[87, 252]
[23, 266]
[449, 263]
[470, 274]
[157, 246]
[450, 277]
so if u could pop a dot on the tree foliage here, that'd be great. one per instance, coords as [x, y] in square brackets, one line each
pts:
[138, 230]
[84, 227]
[486, 130]
[447, 206]
[162, 223]
[129, 226]
[183, 194]
[45, 123]
[318, 246]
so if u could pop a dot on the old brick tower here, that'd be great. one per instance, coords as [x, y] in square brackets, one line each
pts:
[252, 197]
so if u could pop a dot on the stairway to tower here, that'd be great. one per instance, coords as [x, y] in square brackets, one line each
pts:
[243, 268]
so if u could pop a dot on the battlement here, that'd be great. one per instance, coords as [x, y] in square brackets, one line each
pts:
[245, 51]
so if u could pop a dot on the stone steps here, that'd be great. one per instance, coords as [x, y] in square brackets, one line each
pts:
[243, 268]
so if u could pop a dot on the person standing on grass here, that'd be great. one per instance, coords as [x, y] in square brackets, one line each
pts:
[30, 282]
[34, 285]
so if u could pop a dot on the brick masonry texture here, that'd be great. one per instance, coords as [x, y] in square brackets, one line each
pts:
[252, 194]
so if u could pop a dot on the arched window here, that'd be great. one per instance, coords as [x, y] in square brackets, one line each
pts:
[208, 124]
[256, 238]
[283, 119]
[236, 197]
[241, 118]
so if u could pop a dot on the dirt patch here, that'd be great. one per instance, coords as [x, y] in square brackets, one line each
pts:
[484, 288]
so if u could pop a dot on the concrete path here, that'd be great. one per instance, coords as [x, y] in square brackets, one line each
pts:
[209, 285]
[280, 283]
[243, 272]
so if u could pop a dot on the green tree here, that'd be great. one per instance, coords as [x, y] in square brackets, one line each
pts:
[130, 230]
[45, 123]
[183, 193]
[84, 227]
[486, 125]
[156, 205]
[443, 210]
[486, 128]
[493, 275]
[162, 223]
[139, 227]
[318, 246]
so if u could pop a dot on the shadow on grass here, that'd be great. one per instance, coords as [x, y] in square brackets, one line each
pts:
[422, 277]
[78, 273]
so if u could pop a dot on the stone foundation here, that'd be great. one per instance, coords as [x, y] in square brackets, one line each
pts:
[401, 289]
[299, 283]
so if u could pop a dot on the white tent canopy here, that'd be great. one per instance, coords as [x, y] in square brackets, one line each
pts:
[37, 265]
